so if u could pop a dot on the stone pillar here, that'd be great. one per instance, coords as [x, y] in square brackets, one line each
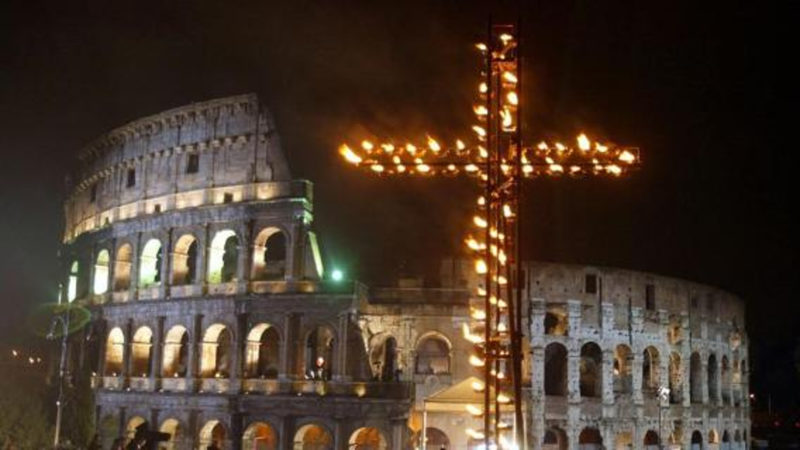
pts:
[339, 436]
[166, 264]
[101, 359]
[194, 352]
[112, 267]
[704, 376]
[636, 368]
[237, 429]
[203, 252]
[288, 365]
[245, 257]
[399, 434]
[573, 351]
[340, 366]
[607, 376]
[135, 262]
[157, 355]
[686, 364]
[294, 258]
[126, 355]
[237, 358]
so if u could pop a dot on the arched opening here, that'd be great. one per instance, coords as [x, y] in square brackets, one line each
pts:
[122, 268]
[590, 439]
[100, 282]
[713, 386]
[555, 322]
[555, 439]
[108, 429]
[367, 439]
[726, 441]
[259, 436]
[675, 379]
[262, 352]
[383, 358]
[134, 426]
[223, 257]
[713, 439]
[115, 352]
[623, 441]
[269, 255]
[141, 351]
[591, 370]
[650, 368]
[555, 369]
[726, 383]
[184, 260]
[216, 357]
[695, 379]
[651, 440]
[319, 353]
[433, 356]
[173, 429]
[176, 352]
[72, 282]
[313, 437]
[623, 376]
[436, 439]
[213, 435]
[150, 264]
[697, 440]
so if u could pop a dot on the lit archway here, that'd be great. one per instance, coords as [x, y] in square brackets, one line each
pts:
[269, 255]
[141, 351]
[216, 355]
[697, 440]
[555, 369]
[726, 382]
[623, 377]
[432, 356]
[115, 352]
[319, 353]
[591, 369]
[133, 427]
[122, 268]
[223, 257]
[214, 434]
[173, 429]
[150, 264]
[367, 438]
[383, 357]
[651, 440]
[675, 379]
[100, 282]
[555, 322]
[263, 352]
[555, 439]
[259, 436]
[713, 384]
[436, 439]
[184, 260]
[623, 441]
[72, 282]
[650, 369]
[313, 437]
[590, 439]
[176, 352]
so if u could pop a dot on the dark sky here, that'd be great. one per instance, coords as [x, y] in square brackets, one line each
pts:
[697, 85]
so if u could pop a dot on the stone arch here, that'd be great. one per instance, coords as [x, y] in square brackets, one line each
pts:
[675, 379]
[320, 348]
[651, 440]
[713, 437]
[591, 370]
[695, 379]
[101, 266]
[435, 439]
[367, 438]
[726, 441]
[313, 436]
[259, 436]
[223, 257]
[383, 357]
[214, 433]
[555, 439]
[173, 428]
[122, 267]
[432, 354]
[697, 438]
[623, 440]
[115, 352]
[590, 439]
[176, 352]
[623, 373]
[184, 260]
[555, 369]
[726, 382]
[270, 250]
[262, 353]
[72, 281]
[713, 386]
[556, 322]
[141, 352]
[650, 369]
[215, 361]
[150, 263]
[133, 425]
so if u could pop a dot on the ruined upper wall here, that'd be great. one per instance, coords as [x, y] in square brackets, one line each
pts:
[222, 150]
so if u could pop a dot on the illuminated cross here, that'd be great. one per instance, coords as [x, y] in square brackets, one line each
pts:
[497, 158]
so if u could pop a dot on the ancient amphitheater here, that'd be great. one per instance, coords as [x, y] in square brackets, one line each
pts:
[214, 320]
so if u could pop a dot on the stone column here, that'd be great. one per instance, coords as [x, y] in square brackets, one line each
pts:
[158, 351]
[166, 265]
[340, 366]
[239, 341]
[399, 434]
[194, 351]
[287, 357]
[112, 267]
[339, 436]
[608, 377]
[704, 376]
[203, 252]
[135, 262]
[686, 364]
[103, 336]
[636, 368]
[245, 257]
[126, 355]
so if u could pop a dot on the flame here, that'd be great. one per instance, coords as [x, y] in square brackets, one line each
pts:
[388, 148]
[509, 77]
[474, 410]
[503, 398]
[476, 361]
[479, 130]
[433, 145]
[480, 291]
[483, 88]
[471, 168]
[600, 147]
[479, 314]
[542, 146]
[478, 386]
[560, 147]
[482, 152]
[505, 37]
[480, 221]
[423, 168]
[512, 98]
[527, 169]
[411, 149]
[477, 435]
[473, 244]
[460, 144]
[480, 110]
[481, 200]
[556, 168]
[627, 157]
[481, 46]
[584, 143]
[574, 169]
[377, 168]
[614, 169]
[367, 145]
[507, 118]
[349, 154]
[480, 267]
[401, 168]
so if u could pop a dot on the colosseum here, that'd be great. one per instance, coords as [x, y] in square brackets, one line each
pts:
[215, 322]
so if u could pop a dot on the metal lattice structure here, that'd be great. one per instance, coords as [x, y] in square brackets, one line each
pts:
[499, 161]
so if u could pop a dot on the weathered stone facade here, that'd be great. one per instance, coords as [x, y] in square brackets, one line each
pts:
[194, 248]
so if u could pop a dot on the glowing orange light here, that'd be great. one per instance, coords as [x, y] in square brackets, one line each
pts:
[627, 157]
[584, 143]
[512, 98]
[433, 145]
[349, 154]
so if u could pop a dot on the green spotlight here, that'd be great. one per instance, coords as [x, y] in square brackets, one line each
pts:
[337, 275]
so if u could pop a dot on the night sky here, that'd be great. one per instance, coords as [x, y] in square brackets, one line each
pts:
[699, 86]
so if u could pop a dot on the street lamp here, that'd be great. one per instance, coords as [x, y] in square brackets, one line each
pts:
[662, 394]
[63, 321]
